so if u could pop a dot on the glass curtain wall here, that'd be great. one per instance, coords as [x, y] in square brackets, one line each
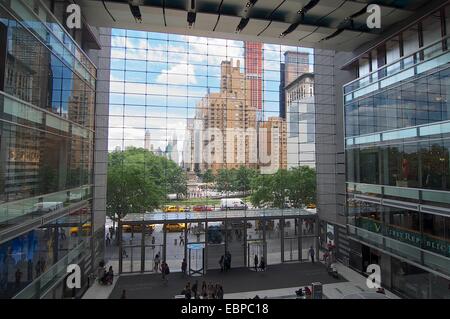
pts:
[47, 96]
[200, 122]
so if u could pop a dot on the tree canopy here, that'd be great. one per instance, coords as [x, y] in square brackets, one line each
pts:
[140, 181]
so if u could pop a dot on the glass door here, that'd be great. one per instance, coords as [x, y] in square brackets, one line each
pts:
[196, 254]
[255, 252]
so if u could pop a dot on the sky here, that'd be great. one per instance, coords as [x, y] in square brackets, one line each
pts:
[157, 79]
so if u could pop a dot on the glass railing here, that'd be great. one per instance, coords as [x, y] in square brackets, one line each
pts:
[21, 110]
[20, 211]
[420, 256]
[427, 58]
[55, 273]
[47, 28]
[425, 130]
[218, 214]
[407, 193]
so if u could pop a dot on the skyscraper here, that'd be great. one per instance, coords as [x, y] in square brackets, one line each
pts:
[147, 141]
[230, 114]
[253, 73]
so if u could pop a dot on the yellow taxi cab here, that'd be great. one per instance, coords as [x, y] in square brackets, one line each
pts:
[126, 228]
[177, 227]
[311, 205]
[170, 209]
[85, 228]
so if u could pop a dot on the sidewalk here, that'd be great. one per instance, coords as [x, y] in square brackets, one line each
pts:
[356, 284]
[97, 291]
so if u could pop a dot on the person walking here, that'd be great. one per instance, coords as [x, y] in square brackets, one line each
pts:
[262, 264]
[256, 262]
[124, 294]
[312, 253]
[184, 266]
[219, 292]
[228, 260]
[181, 240]
[221, 263]
[156, 262]
[165, 271]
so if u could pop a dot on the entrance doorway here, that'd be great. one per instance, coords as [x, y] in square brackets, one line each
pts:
[196, 259]
[255, 248]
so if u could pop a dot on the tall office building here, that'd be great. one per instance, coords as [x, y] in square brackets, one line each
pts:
[49, 98]
[295, 64]
[254, 73]
[300, 120]
[228, 123]
[397, 145]
[148, 141]
[272, 140]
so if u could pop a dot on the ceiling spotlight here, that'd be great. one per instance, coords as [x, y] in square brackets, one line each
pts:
[191, 8]
[191, 18]
[251, 3]
[242, 24]
[136, 12]
[291, 28]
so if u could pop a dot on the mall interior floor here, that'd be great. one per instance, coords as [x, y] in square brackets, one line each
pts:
[151, 286]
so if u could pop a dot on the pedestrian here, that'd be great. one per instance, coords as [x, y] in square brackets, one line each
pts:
[175, 242]
[184, 266]
[153, 241]
[194, 289]
[221, 263]
[165, 271]
[219, 293]
[228, 257]
[210, 291]
[256, 262]
[312, 253]
[262, 264]
[124, 295]
[156, 262]
[181, 240]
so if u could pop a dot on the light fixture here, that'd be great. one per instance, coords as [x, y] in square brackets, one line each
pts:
[291, 28]
[136, 12]
[242, 24]
[191, 18]
[191, 15]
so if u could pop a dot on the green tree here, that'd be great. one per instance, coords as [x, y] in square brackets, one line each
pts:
[139, 181]
[262, 192]
[225, 180]
[208, 176]
[242, 178]
[280, 187]
[130, 190]
[301, 186]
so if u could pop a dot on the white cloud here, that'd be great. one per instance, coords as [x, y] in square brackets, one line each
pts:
[178, 74]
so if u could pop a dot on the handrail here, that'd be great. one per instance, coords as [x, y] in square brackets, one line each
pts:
[37, 108]
[398, 60]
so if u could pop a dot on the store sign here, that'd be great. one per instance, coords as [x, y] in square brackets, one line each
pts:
[413, 238]
[18, 154]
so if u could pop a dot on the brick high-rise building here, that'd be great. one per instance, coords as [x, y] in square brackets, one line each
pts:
[254, 73]
[273, 145]
[230, 114]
